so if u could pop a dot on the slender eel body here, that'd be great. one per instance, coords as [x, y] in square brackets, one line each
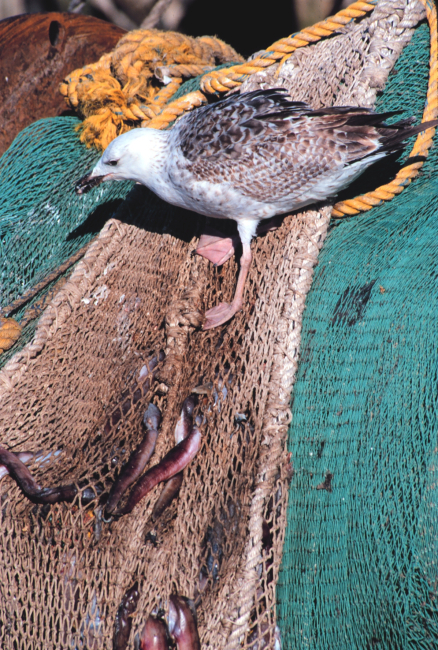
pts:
[19, 472]
[154, 635]
[24, 456]
[172, 487]
[182, 624]
[185, 422]
[138, 459]
[123, 622]
[170, 491]
[66, 493]
[33, 491]
[172, 463]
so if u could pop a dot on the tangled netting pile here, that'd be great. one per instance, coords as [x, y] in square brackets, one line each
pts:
[75, 395]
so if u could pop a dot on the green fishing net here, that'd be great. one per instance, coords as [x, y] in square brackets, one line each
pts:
[360, 563]
[42, 220]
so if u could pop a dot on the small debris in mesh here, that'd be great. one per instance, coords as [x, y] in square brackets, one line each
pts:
[327, 483]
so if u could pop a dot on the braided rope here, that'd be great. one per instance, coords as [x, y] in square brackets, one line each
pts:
[178, 107]
[221, 81]
[225, 80]
[131, 85]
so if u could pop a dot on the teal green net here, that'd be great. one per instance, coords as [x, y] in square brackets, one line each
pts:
[42, 220]
[360, 563]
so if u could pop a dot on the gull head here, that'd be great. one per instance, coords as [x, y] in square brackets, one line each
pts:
[136, 155]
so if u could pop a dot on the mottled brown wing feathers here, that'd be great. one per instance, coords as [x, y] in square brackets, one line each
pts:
[262, 138]
[236, 119]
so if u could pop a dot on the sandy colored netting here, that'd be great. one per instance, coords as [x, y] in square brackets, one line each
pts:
[137, 291]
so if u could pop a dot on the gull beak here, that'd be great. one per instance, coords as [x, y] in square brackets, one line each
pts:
[86, 183]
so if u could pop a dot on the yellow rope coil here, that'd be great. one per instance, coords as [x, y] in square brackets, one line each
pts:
[131, 85]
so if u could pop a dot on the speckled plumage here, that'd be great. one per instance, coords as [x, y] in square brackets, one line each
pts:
[250, 157]
[274, 151]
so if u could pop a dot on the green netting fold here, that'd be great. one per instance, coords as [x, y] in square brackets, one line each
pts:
[42, 220]
[360, 564]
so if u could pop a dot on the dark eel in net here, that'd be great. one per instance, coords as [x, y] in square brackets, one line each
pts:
[154, 635]
[172, 463]
[138, 459]
[123, 622]
[34, 492]
[172, 486]
[182, 624]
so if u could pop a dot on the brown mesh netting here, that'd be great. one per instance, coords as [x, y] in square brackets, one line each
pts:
[74, 396]
[99, 338]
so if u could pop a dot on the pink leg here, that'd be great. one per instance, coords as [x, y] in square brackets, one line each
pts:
[224, 311]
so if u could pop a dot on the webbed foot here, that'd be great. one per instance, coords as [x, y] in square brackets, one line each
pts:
[220, 314]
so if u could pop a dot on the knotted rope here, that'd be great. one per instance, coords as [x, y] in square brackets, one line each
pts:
[130, 86]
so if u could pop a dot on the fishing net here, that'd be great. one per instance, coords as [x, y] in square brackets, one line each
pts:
[43, 222]
[360, 556]
[75, 395]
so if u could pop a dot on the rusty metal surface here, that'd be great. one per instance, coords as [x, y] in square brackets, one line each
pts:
[36, 52]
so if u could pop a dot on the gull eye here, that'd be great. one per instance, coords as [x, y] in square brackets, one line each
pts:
[113, 163]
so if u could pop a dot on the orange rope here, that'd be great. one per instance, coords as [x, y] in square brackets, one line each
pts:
[10, 332]
[131, 85]
[224, 80]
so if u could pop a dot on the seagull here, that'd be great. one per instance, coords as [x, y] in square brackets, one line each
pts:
[250, 157]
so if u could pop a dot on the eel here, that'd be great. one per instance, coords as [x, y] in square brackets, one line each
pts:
[172, 463]
[154, 635]
[123, 621]
[169, 493]
[172, 486]
[182, 624]
[137, 460]
[24, 456]
[185, 422]
[34, 492]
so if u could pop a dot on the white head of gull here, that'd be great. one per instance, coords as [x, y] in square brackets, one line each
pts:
[250, 157]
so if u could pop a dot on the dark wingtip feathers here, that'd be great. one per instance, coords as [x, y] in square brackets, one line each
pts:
[394, 136]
